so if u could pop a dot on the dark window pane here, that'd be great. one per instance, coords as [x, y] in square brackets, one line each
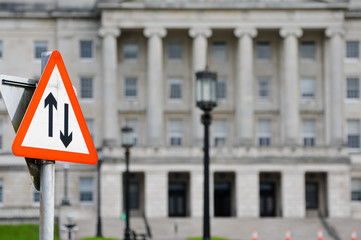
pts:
[86, 85]
[175, 51]
[352, 49]
[353, 88]
[263, 50]
[86, 49]
[221, 92]
[308, 49]
[311, 195]
[134, 195]
[353, 141]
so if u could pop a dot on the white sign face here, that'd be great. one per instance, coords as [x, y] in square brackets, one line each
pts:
[54, 125]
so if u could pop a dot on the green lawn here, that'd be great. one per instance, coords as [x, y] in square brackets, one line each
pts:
[23, 232]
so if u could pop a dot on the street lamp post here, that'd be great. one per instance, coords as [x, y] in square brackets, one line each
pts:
[206, 100]
[99, 218]
[65, 201]
[127, 143]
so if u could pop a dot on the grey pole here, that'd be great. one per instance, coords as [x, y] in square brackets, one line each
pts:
[47, 173]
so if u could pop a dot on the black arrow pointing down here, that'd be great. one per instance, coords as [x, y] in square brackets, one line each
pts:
[65, 138]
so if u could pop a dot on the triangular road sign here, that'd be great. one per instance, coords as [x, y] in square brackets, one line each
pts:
[53, 127]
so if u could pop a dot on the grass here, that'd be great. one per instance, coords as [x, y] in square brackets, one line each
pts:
[23, 232]
[212, 238]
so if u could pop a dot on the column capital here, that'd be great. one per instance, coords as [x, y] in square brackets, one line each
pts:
[203, 31]
[250, 31]
[295, 31]
[151, 31]
[332, 31]
[104, 31]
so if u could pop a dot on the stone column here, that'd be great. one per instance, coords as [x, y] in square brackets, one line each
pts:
[336, 52]
[110, 113]
[338, 189]
[155, 121]
[293, 193]
[290, 89]
[247, 190]
[156, 194]
[196, 200]
[111, 197]
[244, 86]
[199, 59]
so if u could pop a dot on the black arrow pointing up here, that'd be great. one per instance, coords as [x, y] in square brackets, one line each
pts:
[65, 138]
[50, 100]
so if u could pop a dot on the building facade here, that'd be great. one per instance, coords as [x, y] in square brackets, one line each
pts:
[285, 135]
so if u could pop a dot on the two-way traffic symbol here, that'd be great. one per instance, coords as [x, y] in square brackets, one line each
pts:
[52, 103]
[53, 127]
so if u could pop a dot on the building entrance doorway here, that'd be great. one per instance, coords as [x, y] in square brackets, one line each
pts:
[267, 199]
[178, 196]
[224, 204]
[316, 194]
[269, 194]
[222, 199]
[177, 199]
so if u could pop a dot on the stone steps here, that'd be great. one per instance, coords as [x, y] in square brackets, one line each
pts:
[231, 228]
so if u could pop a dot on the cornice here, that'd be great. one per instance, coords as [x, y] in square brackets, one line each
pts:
[225, 4]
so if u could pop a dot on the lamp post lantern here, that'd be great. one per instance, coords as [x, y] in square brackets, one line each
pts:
[127, 143]
[206, 83]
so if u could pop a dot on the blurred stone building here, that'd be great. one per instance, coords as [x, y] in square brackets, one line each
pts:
[285, 136]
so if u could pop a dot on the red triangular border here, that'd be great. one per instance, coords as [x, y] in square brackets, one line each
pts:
[50, 154]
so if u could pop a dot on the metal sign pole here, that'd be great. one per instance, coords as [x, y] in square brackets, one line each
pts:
[47, 180]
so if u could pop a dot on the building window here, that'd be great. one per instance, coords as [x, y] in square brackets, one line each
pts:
[130, 87]
[133, 123]
[264, 132]
[352, 49]
[219, 131]
[307, 87]
[264, 87]
[308, 49]
[353, 133]
[1, 49]
[86, 49]
[90, 125]
[219, 51]
[175, 88]
[263, 50]
[356, 189]
[86, 189]
[353, 88]
[174, 50]
[40, 47]
[36, 196]
[86, 87]
[221, 91]
[1, 191]
[309, 132]
[130, 51]
[175, 132]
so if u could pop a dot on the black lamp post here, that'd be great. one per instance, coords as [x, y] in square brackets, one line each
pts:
[99, 218]
[127, 143]
[65, 201]
[206, 83]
